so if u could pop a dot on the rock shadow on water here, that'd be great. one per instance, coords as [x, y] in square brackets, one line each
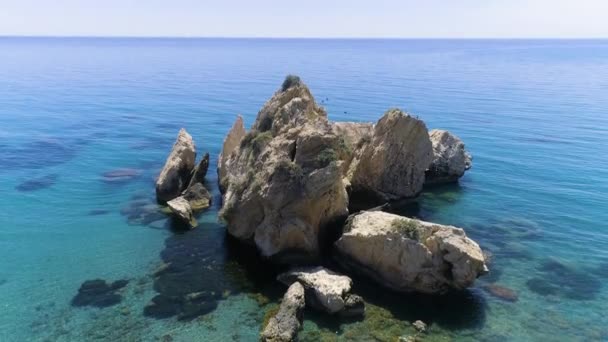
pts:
[39, 183]
[199, 268]
[555, 278]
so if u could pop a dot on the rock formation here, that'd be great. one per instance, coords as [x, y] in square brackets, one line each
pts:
[326, 290]
[392, 164]
[450, 159]
[176, 173]
[409, 255]
[200, 171]
[284, 326]
[283, 181]
[231, 144]
[182, 209]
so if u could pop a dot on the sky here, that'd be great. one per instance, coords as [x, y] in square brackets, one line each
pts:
[308, 18]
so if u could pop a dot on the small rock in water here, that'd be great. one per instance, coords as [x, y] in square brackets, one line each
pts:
[121, 175]
[420, 326]
[501, 292]
[99, 293]
[37, 183]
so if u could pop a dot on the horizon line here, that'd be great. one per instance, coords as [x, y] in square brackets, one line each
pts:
[298, 37]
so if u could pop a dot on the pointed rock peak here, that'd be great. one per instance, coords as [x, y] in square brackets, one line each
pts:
[291, 106]
[291, 81]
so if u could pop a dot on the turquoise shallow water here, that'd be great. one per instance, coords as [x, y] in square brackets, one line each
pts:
[534, 114]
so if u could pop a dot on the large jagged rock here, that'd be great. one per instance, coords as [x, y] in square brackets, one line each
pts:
[284, 326]
[176, 173]
[231, 144]
[182, 209]
[200, 171]
[326, 290]
[392, 164]
[450, 159]
[283, 182]
[409, 255]
[354, 137]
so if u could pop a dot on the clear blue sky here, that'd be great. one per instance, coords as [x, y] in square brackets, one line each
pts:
[308, 18]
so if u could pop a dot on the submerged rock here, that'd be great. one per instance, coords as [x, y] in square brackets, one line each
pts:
[409, 255]
[38, 183]
[450, 159]
[175, 175]
[501, 292]
[99, 293]
[182, 209]
[564, 280]
[284, 326]
[200, 171]
[121, 175]
[392, 165]
[283, 182]
[231, 144]
[325, 290]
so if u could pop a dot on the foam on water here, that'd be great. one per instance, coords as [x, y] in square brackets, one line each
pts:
[534, 114]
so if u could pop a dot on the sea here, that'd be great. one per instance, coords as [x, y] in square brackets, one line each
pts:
[87, 123]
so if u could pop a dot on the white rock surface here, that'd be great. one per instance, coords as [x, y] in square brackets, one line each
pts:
[176, 173]
[409, 255]
[450, 159]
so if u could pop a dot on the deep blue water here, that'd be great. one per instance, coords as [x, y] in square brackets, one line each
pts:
[533, 113]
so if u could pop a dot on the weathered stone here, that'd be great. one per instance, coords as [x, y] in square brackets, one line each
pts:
[175, 175]
[283, 182]
[181, 208]
[325, 290]
[198, 197]
[420, 326]
[231, 144]
[450, 159]
[284, 326]
[200, 171]
[409, 255]
[392, 165]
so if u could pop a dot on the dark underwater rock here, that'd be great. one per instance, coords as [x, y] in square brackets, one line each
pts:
[36, 154]
[121, 175]
[37, 183]
[557, 278]
[99, 293]
[501, 292]
[97, 212]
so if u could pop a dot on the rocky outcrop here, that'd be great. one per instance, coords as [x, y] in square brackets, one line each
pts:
[284, 326]
[392, 164]
[326, 290]
[231, 144]
[409, 255]
[182, 209]
[450, 159]
[198, 197]
[200, 171]
[176, 173]
[283, 182]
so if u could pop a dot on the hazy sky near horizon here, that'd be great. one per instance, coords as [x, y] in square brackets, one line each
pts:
[311, 18]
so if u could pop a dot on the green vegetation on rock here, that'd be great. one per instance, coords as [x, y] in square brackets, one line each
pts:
[409, 228]
[327, 156]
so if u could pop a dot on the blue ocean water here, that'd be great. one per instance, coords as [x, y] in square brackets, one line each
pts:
[534, 114]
